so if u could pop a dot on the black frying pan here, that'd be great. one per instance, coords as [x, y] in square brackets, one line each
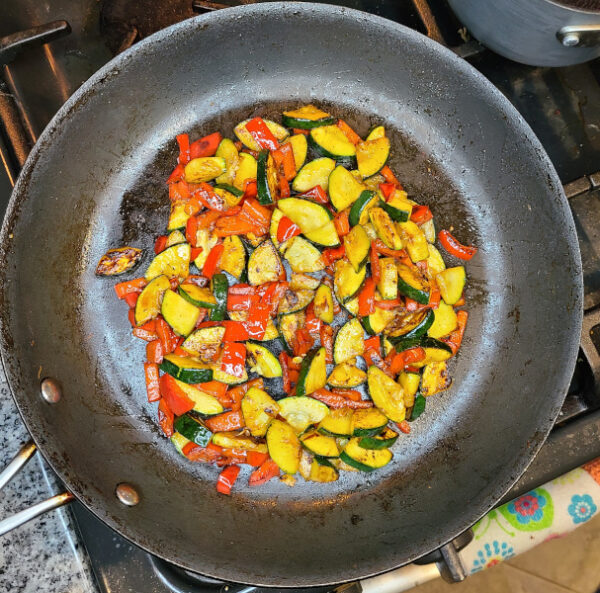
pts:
[96, 180]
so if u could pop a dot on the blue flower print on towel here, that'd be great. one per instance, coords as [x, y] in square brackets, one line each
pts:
[492, 554]
[581, 508]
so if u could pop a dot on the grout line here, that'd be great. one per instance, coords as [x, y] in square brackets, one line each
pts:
[537, 576]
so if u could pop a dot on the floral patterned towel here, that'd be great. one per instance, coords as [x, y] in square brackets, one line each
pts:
[545, 513]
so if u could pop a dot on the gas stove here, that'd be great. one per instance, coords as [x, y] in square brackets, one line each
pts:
[54, 46]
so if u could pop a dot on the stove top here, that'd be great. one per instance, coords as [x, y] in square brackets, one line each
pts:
[562, 105]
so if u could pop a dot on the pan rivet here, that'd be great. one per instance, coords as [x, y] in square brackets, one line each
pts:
[127, 494]
[571, 40]
[50, 389]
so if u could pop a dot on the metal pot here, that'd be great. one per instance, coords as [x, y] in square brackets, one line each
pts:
[535, 32]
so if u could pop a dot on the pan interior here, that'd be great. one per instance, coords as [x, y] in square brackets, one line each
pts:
[97, 179]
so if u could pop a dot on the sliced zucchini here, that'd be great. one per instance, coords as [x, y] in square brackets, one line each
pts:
[412, 284]
[262, 361]
[300, 148]
[428, 229]
[368, 422]
[388, 280]
[233, 258]
[284, 446]
[358, 245]
[147, 306]
[247, 169]
[386, 439]
[378, 321]
[173, 262]
[313, 372]
[266, 178]
[399, 208]
[301, 412]
[259, 409]
[319, 444]
[204, 169]
[179, 442]
[220, 375]
[193, 430]
[204, 342]
[372, 182]
[403, 343]
[206, 240]
[330, 141]
[338, 423]
[323, 304]
[365, 460]
[435, 263]
[238, 193]
[435, 378]
[186, 369]
[372, 155]
[245, 137]
[347, 283]
[359, 213]
[204, 403]
[303, 257]
[410, 325]
[386, 394]
[264, 264]
[308, 215]
[352, 306]
[322, 471]
[414, 240]
[178, 216]
[229, 198]
[444, 321]
[276, 217]
[376, 132]
[451, 283]
[201, 297]
[220, 287]
[306, 118]
[229, 152]
[295, 300]
[303, 282]
[312, 174]
[370, 230]
[347, 375]
[349, 341]
[288, 327]
[325, 235]
[410, 383]
[418, 407]
[385, 228]
[344, 188]
[179, 313]
[228, 440]
[174, 238]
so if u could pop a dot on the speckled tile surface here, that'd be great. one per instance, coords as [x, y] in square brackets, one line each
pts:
[45, 554]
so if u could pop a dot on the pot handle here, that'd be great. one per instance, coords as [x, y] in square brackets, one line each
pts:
[10, 471]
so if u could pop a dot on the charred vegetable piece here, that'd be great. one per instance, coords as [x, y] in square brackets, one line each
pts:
[338, 423]
[388, 280]
[259, 409]
[330, 141]
[228, 440]
[301, 412]
[204, 169]
[349, 342]
[435, 378]
[204, 343]
[359, 212]
[147, 306]
[382, 441]
[303, 257]
[233, 258]
[412, 284]
[344, 188]
[173, 262]
[366, 460]
[347, 375]
[346, 281]
[179, 313]
[313, 373]
[288, 327]
[266, 180]
[219, 286]
[264, 264]
[186, 369]
[319, 444]
[410, 325]
[303, 282]
[378, 321]
[284, 446]
[312, 174]
[306, 118]
[117, 261]
[295, 300]
[263, 361]
[323, 304]
[321, 470]
[414, 240]
[386, 394]
[201, 297]
[385, 229]
[368, 422]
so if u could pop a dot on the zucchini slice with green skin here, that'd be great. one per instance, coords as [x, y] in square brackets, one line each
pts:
[201, 297]
[233, 258]
[383, 441]
[223, 377]
[414, 240]
[352, 306]
[204, 342]
[376, 132]
[264, 264]
[179, 442]
[219, 286]
[266, 178]
[423, 327]
[347, 283]
[174, 238]
[330, 141]
[444, 322]
[301, 412]
[258, 409]
[245, 137]
[303, 257]
[399, 208]
[338, 423]
[186, 369]
[306, 118]
[246, 169]
[148, 305]
[358, 246]
[413, 324]
[368, 422]
[238, 193]
[384, 227]
[276, 217]
[326, 235]
[312, 174]
[435, 263]
[228, 440]
[322, 471]
[435, 378]
[206, 240]
[386, 394]
[359, 213]
[284, 446]
[388, 280]
[319, 444]
[378, 321]
[323, 304]
[229, 152]
[418, 407]
[365, 460]
[347, 375]
[204, 403]
[178, 216]
[295, 300]
[403, 343]
[308, 215]
[303, 282]
[300, 148]
[288, 327]
[452, 283]
[193, 430]
[344, 188]
[173, 262]
[204, 169]
[410, 383]
[412, 284]
[372, 155]
[262, 361]
[428, 229]
[179, 313]
[349, 341]
[313, 372]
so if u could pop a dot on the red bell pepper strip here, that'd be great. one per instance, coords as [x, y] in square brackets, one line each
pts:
[384, 250]
[166, 336]
[225, 422]
[237, 393]
[233, 359]
[152, 385]
[131, 298]
[233, 225]
[341, 223]
[262, 135]
[284, 158]
[454, 340]
[267, 471]
[178, 174]
[373, 357]
[404, 426]
[216, 389]
[227, 479]
[206, 146]
[232, 457]
[374, 342]
[208, 454]
[333, 254]
[283, 361]
[250, 188]
[131, 317]
[350, 394]
[348, 131]
[397, 362]
[300, 131]
[303, 342]
[179, 351]
[239, 297]
[177, 400]
[335, 401]
[207, 196]
[387, 189]
[287, 229]
[191, 228]
[312, 323]
[165, 418]
[375, 265]
[434, 298]
[160, 244]
[454, 247]
[212, 261]
[391, 304]
[144, 334]
[195, 252]
[284, 187]
[421, 214]
[256, 213]
[366, 298]
[235, 331]
[258, 320]
[154, 352]
[317, 194]
[387, 174]
[184, 148]
[124, 288]
[179, 191]
[256, 459]
[326, 336]
[206, 219]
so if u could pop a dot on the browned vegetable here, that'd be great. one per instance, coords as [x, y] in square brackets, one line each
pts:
[117, 261]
